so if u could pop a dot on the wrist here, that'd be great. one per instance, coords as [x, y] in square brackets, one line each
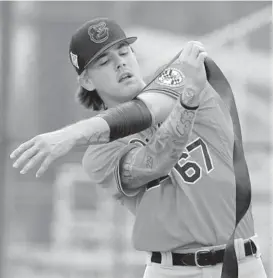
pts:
[189, 98]
[74, 134]
[192, 107]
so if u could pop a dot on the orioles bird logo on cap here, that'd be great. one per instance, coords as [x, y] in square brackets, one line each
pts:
[98, 33]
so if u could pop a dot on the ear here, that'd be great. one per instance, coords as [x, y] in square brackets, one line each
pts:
[86, 82]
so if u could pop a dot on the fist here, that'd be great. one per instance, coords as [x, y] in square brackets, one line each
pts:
[192, 60]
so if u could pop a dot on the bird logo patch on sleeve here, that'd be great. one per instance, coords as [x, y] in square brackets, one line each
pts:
[171, 77]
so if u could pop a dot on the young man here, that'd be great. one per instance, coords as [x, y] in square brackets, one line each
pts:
[179, 179]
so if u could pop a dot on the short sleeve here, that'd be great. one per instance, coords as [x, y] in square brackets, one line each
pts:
[101, 163]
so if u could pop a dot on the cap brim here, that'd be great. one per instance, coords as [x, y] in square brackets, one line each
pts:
[129, 40]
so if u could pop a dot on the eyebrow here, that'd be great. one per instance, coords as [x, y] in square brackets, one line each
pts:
[104, 54]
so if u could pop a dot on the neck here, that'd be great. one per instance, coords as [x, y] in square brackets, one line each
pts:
[110, 103]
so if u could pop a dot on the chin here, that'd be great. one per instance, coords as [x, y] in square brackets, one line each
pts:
[132, 91]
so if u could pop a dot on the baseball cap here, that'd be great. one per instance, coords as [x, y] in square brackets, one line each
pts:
[92, 39]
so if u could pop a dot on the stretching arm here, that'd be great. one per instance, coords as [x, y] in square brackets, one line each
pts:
[123, 169]
[144, 164]
[49, 146]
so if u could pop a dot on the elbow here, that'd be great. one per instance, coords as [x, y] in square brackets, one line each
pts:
[164, 170]
[163, 164]
[158, 171]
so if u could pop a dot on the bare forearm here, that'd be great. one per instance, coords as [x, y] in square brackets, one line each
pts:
[144, 164]
[91, 131]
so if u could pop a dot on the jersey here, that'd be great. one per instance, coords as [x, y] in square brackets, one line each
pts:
[195, 205]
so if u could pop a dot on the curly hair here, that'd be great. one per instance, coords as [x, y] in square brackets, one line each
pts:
[90, 99]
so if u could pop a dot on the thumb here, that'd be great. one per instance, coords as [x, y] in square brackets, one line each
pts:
[201, 57]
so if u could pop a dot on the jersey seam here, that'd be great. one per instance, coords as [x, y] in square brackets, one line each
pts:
[170, 92]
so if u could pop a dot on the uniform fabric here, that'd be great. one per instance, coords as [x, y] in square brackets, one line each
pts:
[169, 216]
[195, 206]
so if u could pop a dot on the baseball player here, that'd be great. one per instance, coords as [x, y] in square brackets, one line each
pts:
[178, 179]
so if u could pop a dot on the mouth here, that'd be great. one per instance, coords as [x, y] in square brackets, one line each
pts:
[124, 77]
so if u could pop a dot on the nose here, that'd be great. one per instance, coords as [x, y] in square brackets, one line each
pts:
[120, 63]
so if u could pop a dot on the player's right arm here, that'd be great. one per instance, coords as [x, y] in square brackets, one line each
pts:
[156, 159]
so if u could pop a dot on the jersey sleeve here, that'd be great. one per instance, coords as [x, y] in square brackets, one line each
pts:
[101, 163]
[169, 81]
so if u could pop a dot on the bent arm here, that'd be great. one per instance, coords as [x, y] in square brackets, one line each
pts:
[144, 164]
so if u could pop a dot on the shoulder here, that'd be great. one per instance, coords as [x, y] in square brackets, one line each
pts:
[98, 159]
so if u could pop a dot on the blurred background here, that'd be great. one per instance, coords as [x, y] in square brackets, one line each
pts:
[58, 226]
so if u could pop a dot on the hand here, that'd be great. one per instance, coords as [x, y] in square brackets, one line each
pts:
[192, 60]
[44, 148]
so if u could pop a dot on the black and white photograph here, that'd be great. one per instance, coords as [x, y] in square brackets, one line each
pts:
[136, 139]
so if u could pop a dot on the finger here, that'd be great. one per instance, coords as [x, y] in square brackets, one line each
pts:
[196, 49]
[22, 148]
[32, 162]
[197, 43]
[25, 156]
[187, 50]
[202, 56]
[49, 159]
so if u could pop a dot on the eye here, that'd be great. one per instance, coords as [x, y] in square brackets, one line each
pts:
[124, 50]
[103, 62]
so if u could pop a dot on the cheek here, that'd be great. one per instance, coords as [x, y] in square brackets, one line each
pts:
[104, 80]
[135, 67]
